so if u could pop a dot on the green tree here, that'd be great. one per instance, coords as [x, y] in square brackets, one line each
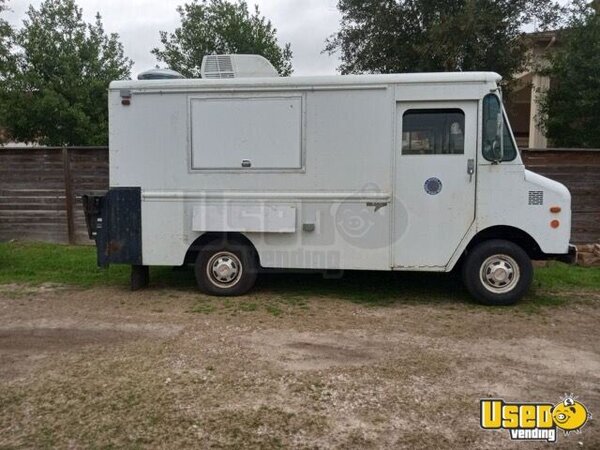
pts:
[6, 41]
[58, 93]
[7, 61]
[220, 27]
[394, 36]
[570, 109]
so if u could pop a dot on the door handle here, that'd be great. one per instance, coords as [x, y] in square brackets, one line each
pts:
[470, 169]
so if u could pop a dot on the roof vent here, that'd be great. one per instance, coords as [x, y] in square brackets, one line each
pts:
[159, 74]
[236, 66]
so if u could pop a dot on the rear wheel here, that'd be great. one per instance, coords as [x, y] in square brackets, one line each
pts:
[497, 272]
[226, 269]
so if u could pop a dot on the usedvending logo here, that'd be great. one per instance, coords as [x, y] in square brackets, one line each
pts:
[534, 421]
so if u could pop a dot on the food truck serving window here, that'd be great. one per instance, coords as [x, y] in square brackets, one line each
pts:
[433, 132]
[246, 133]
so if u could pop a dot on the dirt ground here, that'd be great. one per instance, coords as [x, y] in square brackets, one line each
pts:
[170, 368]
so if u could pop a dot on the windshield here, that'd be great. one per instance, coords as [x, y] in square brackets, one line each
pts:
[498, 144]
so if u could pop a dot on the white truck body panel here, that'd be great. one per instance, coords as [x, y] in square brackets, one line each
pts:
[328, 186]
[245, 217]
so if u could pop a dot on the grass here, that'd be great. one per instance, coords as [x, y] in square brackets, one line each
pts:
[557, 276]
[37, 263]
[40, 263]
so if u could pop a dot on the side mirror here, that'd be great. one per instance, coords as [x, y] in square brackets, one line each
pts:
[493, 129]
[497, 151]
[494, 139]
[498, 147]
[491, 125]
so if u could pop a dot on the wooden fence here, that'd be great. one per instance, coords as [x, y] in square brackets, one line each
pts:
[579, 170]
[41, 188]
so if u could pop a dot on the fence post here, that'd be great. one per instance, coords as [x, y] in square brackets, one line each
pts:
[68, 195]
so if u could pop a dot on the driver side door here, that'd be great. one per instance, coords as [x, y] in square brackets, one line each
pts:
[436, 145]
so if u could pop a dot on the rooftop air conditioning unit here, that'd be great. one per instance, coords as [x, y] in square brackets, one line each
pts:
[236, 66]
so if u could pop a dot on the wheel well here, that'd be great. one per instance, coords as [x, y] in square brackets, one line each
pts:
[512, 234]
[201, 241]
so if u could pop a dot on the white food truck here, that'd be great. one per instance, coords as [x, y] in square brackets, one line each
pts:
[243, 170]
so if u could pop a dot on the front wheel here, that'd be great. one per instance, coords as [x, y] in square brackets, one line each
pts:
[226, 269]
[497, 272]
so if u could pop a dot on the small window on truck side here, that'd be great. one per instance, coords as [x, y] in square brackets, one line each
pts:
[491, 109]
[433, 132]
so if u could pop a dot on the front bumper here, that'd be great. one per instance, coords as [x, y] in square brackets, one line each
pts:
[568, 258]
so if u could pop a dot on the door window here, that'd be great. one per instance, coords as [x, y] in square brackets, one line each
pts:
[433, 132]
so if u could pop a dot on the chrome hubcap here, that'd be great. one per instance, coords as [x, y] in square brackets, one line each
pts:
[224, 269]
[499, 274]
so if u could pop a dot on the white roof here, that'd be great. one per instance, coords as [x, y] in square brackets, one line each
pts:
[335, 80]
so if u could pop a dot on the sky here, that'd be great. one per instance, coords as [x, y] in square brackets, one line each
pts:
[306, 24]
[303, 23]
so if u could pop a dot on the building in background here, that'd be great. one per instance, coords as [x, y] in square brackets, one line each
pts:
[523, 101]
[523, 106]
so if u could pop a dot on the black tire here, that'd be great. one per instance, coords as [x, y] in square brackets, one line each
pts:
[232, 257]
[513, 266]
